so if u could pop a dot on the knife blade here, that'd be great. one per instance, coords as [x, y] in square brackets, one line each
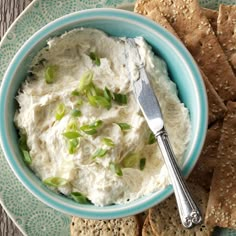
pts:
[145, 94]
[149, 105]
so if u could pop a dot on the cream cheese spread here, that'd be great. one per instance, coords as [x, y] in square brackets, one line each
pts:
[94, 163]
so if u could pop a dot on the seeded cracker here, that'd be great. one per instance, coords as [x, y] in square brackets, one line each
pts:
[212, 16]
[216, 107]
[193, 28]
[147, 229]
[221, 209]
[226, 32]
[165, 221]
[142, 217]
[124, 226]
[203, 171]
[227, 147]
[156, 16]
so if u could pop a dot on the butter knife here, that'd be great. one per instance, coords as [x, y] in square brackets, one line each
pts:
[189, 213]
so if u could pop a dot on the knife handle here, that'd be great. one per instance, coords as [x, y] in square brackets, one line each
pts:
[188, 210]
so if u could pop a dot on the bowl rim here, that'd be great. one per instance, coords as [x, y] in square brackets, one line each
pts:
[114, 211]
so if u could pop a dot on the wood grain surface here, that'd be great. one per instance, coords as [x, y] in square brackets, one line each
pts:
[9, 10]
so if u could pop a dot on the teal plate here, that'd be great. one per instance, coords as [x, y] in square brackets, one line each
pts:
[31, 216]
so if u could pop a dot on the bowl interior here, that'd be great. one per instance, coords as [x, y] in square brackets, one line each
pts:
[182, 70]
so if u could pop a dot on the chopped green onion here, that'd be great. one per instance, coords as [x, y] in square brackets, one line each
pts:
[142, 163]
[107, 94]
[99, 153]
[124, 126]
[91, 89]
[115, 168]
[88, 129]
[60, 111]
[85, 81]
[72, 145]
[108, 142]
[121, 99]
[92, 128]
[72, 125]
[97, 124]
[102, 102]
[92, 100]
[55, 181]
[131, 160]
[151, 138]
[94, 57]
[99, 101]
[75, 93]
[26, 157]
[24, 148]
[72, 134]
[23, 141]
[80, 198]
[76, 113]
[49, 74]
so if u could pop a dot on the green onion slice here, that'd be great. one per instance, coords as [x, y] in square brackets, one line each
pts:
[124, 126]
[76, 113]
[142, 163]
[91, 89]
[55, 181]
[92, 100]
[72, 145]
[102, 102]
[80, 198]
[131, 160]
[108, 142]
[72, 125]
[116, 168]
[94, 57]
[88, 129]
[92, 128]
[107, 94]
[24, 148]
[71, 134]
[151, 138]
[98, 101]
[85, 81]
[99, 153]
[23, 141]
[49, 74]
[121, 99]
[97, 124]
[75, 93]
[26, 157]
[60, 111]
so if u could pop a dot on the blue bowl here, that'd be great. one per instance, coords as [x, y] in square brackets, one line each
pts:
[182, 69]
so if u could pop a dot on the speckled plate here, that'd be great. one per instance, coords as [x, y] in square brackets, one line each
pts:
[31, 216]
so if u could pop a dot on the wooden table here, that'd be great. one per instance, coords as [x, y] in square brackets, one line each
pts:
[9, 10]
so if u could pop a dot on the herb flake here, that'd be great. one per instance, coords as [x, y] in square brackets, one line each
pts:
[55, 181]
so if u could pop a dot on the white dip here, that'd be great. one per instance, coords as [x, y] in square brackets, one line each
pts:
[94, 177]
